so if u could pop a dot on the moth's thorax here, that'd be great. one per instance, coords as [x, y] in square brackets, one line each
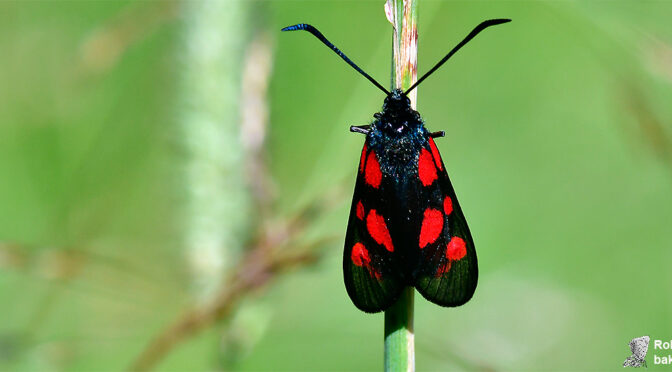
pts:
[397, 133]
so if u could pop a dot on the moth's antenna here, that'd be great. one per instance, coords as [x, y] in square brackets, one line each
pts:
[472, 34]
[318, 34]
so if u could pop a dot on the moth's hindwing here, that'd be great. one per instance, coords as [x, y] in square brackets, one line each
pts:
[371, 267]
[446, 271]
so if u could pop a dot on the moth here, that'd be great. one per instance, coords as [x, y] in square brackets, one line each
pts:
[639, 347]
[406, 226]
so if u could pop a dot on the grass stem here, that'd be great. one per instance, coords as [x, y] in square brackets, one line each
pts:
[399, 337]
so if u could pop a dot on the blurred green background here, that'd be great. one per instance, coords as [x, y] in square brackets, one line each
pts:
[175, 179]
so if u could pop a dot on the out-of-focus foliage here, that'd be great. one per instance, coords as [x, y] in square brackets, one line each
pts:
[559, 145]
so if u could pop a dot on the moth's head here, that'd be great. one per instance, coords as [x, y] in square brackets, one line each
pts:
[397, 101]
[397, 116]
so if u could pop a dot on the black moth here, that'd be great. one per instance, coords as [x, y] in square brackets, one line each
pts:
[406, 227]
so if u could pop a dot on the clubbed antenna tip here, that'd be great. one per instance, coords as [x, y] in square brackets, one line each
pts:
[482, 26]
[318, 34]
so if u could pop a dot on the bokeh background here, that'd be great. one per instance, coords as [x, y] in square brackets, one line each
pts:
[175, 179]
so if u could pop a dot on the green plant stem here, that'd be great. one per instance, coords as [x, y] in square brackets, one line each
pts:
[399, 337]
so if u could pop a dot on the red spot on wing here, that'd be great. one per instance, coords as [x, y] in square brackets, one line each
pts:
[374, 273]
[360, 210]
[443, 269]
[435, 153]
[447, 205]
[426, 168]
[373, 175]
[456, 249]
[362, 159]
[377, 227]
[432, 225]
[359, 255]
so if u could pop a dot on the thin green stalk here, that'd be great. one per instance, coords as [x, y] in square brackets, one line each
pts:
[217, 208]
[399, 338]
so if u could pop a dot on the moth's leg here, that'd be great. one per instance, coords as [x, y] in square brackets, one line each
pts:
[364, 129]
[437, 134]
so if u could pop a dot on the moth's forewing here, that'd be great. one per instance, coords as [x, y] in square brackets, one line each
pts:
[371, 266]
[446, 270]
